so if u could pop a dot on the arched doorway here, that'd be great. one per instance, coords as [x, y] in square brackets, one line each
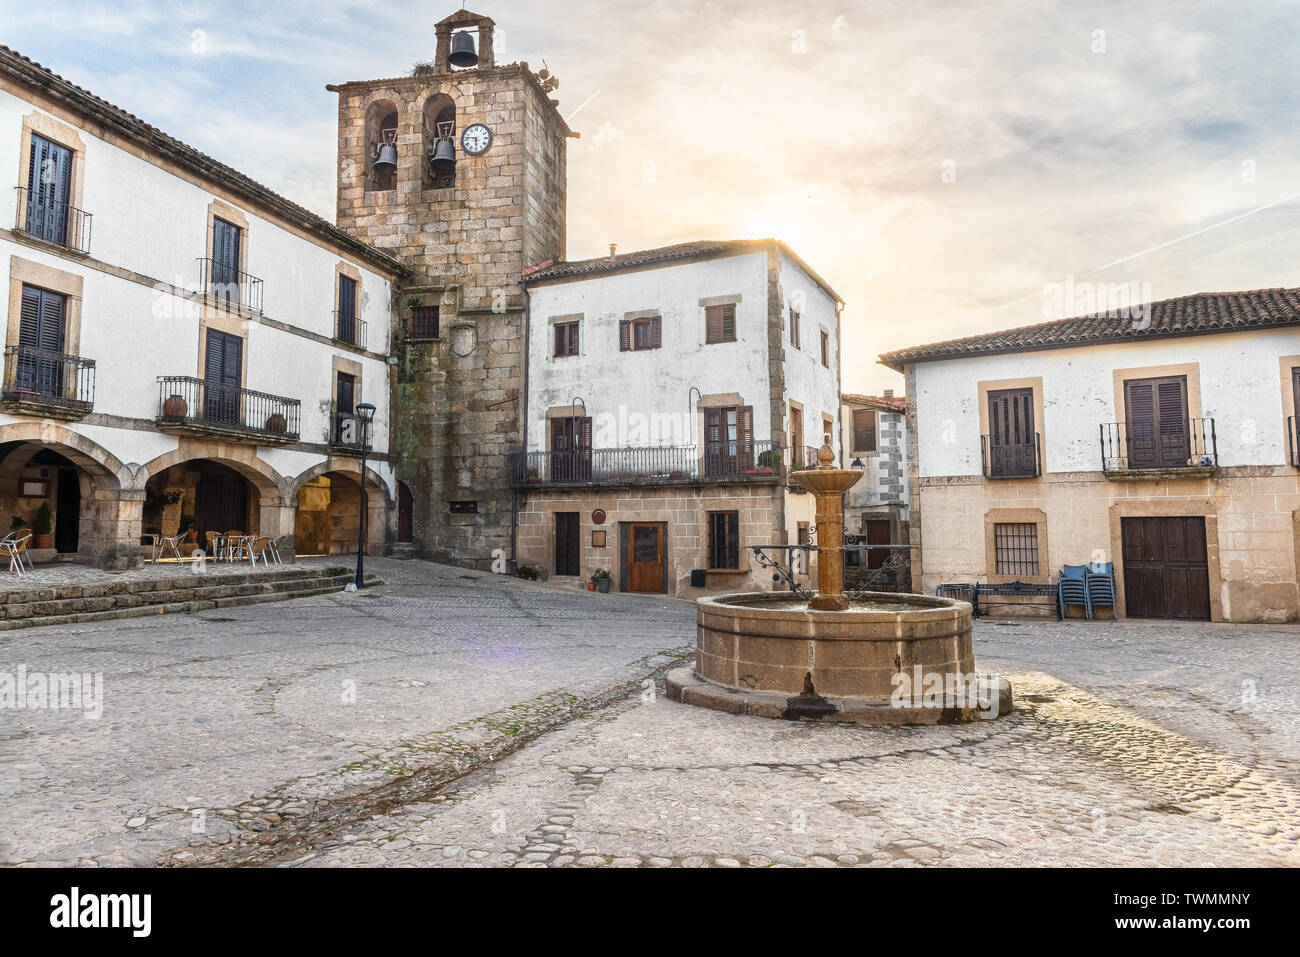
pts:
[55, 479]
[201, 495]
[328, 513]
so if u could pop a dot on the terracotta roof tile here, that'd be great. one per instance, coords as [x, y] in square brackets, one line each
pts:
[1199, 314]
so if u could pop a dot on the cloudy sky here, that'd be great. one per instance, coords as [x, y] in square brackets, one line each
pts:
[941, 164]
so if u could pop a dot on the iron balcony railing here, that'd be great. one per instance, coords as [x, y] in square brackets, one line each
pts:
[804, 457]
[350, 329]
[1167, 444]
[346, 435]
[224, 284]
[728, 460]
[1293, 440]
[54, 222]
[199, 404]
[51, 379]
[1011, 461]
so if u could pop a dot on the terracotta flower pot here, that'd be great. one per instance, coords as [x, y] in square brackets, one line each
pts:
[175, 407]
[591, 586]
[276, 423]
[43, 541]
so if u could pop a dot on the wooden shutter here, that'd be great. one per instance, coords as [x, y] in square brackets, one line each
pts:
[29, 329]
[745, 435]
[223, 358]
[1012, 450]
[624, 335]
[346, 393]
[347, 299]
[51, 332]
[1171, 410]
[574, 342]
[561, 340]
[864, 430]
[656, 332]
[1157, 426]
[720, 324]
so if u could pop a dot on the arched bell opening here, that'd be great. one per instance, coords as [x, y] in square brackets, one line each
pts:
[439, 125]
[381, 146]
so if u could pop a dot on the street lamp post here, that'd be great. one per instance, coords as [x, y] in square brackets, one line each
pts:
[365, 413]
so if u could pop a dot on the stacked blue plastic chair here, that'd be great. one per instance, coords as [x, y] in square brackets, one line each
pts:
[1072, 589]
[1100, 585]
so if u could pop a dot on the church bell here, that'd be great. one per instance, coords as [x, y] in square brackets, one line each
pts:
[462, 50]
[386, 160]
[444, 157]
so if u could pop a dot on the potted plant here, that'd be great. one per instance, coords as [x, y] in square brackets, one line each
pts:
[42, 527]
[600, 580]
[186, 528]
[769, 460]
[16, 523]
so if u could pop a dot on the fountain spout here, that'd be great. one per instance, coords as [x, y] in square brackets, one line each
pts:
[828, 485]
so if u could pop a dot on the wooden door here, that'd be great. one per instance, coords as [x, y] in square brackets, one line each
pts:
[728, 440]
[405, 514]
[1012, 450]
[568, 557]
[1166, 568]
[220, 503]
[222, 374]
[877, 534]
[645, 558]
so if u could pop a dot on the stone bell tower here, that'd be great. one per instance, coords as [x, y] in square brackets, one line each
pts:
[457, 170]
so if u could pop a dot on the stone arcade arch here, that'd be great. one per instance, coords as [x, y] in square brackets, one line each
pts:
[327, 503]
[107, 526]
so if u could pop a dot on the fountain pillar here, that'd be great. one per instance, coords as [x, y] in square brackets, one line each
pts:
[828, 485]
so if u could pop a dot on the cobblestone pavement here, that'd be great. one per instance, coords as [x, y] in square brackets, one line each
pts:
[1132, 744]
[241, 721]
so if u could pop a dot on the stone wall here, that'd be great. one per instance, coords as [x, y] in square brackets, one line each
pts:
[685, 510]
[1252, 529]
[458, 399]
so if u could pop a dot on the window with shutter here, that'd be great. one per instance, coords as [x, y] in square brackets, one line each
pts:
[720, 324]
[639, 334]
[794, 328]
[1157, 427]
[864, 430]
[40, 339]
[49, 190]
[571, 448]
[222, 374]
[796, 436]
[1012, 449]
[225, 261]
[826, 349]
[566, 339]
[347, 331]
[728, 439]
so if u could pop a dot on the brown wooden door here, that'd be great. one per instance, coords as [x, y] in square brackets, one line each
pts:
[645, 558]
[1166, 568]
[568, 550]
[877, 534]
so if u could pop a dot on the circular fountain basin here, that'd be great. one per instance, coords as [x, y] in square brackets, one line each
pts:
[767, 653]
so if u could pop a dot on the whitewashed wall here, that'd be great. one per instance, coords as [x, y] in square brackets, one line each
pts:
[656, 381]
[807, 381]
[1239, 385]
[154, 223]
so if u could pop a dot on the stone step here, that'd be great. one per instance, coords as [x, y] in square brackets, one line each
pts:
[70, 604]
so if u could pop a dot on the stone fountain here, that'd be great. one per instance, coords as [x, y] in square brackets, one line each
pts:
[868, 658]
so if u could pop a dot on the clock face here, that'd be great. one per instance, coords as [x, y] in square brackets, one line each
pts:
[476, 139]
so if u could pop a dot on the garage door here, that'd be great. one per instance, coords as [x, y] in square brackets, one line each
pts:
[1166, 574]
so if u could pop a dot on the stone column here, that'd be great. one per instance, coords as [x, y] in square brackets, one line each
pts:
[110, 529]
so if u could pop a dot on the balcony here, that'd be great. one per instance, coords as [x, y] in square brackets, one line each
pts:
[230, 287]
[669, 465]
[193, 406]
[53, 222]
[350, 330]
[346, 434]
[1293, 441]
[1180, 448]
[48, 384]
[1011, 461]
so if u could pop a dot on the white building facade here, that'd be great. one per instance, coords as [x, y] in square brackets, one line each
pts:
[669, 394]
[184, 348]
[1167, 447]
